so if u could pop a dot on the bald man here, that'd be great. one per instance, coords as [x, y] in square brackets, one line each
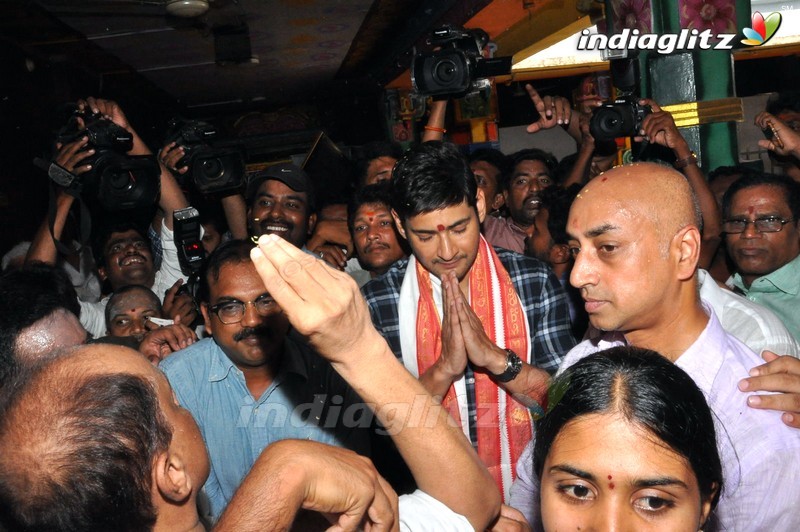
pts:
[93, 439]
[635, 235]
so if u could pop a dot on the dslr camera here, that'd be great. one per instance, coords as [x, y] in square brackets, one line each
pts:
[623, 117]
[117, 181]
[459, 66]
[211, 168]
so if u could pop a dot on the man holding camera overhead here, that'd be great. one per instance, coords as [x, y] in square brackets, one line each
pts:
[123, 253]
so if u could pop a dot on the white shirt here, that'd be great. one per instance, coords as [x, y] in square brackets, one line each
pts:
[419, 512]
[755, 325]
[93, 315]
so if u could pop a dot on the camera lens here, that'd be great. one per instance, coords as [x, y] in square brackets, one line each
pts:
[612, 121]
[212, 169]
[445, 72]
[119, 182]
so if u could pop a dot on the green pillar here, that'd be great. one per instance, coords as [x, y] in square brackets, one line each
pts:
[696, 76]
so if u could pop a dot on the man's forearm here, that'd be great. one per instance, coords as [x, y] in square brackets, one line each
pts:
[43, 246]
[379, 378]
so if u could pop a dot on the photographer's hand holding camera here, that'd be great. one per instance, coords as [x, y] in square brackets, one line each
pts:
[659, 127]
[170, 155]
[126, 257]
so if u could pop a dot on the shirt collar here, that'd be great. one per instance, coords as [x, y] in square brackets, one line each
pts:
[293, 362]
[784, 279]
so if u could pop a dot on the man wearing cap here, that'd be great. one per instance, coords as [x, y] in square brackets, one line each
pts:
[281, 200]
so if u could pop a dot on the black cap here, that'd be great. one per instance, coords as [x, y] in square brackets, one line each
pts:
[289, 174]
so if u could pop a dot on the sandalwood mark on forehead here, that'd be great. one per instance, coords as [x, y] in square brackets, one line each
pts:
[440, 228]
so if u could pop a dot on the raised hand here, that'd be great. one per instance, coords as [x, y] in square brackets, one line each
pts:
[789, 143]
[71, 154]
[553, 110]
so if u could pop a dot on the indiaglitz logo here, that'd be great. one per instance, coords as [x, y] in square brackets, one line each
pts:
[688, 39]
[763, 29]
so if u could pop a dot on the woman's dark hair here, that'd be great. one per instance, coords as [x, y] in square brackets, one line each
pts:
[646, 389]
[432, 176]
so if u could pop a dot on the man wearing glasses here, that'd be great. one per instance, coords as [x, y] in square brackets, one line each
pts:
[763, 237]
[254, 383]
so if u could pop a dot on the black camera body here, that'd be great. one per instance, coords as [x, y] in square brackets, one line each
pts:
[454, 69]
[116, 181]
[212, 169]
[186, 230]
[621, 118]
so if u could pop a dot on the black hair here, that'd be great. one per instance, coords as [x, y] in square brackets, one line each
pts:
[372, 151]
[789, 187]
[103, 235]
[214, 216]
[29, 295]
[380, 192]
[494, 157]
[96, 473]
[125, 290]
[784, 101]
[646, 389]
[236, 251]
[558, 200]
[727, 171]
[432, 176]
[531, 154]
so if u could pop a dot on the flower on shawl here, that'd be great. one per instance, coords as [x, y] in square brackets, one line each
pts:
[715, 15]
[632, 14]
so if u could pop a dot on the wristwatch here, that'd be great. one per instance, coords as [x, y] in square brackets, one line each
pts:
[686, 161]
[513, 367]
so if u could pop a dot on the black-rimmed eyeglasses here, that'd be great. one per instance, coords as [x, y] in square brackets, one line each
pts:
[768, 224]
[230, 312]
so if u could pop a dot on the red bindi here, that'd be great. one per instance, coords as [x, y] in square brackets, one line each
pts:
[440, 228]
[611, 485]
[605, 179]
[610, 477]
[370, 214]
[370, 219]
[750, 209]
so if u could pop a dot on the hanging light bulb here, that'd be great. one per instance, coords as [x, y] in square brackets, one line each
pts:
[187, 8]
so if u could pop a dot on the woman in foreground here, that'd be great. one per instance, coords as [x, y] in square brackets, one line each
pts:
[630, 445]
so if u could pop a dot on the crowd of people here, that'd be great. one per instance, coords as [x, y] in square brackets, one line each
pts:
[459, 342]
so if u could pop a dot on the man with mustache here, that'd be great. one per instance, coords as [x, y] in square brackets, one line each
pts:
[375, 237]
[254, 383]
[281, 201]
[532, 172]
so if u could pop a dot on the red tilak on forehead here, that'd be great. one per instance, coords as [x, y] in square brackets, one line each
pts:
[370, 214]
[440, 228]
[750, 209]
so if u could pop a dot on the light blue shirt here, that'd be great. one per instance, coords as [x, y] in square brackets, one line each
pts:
[307, 400]
[779, 291]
